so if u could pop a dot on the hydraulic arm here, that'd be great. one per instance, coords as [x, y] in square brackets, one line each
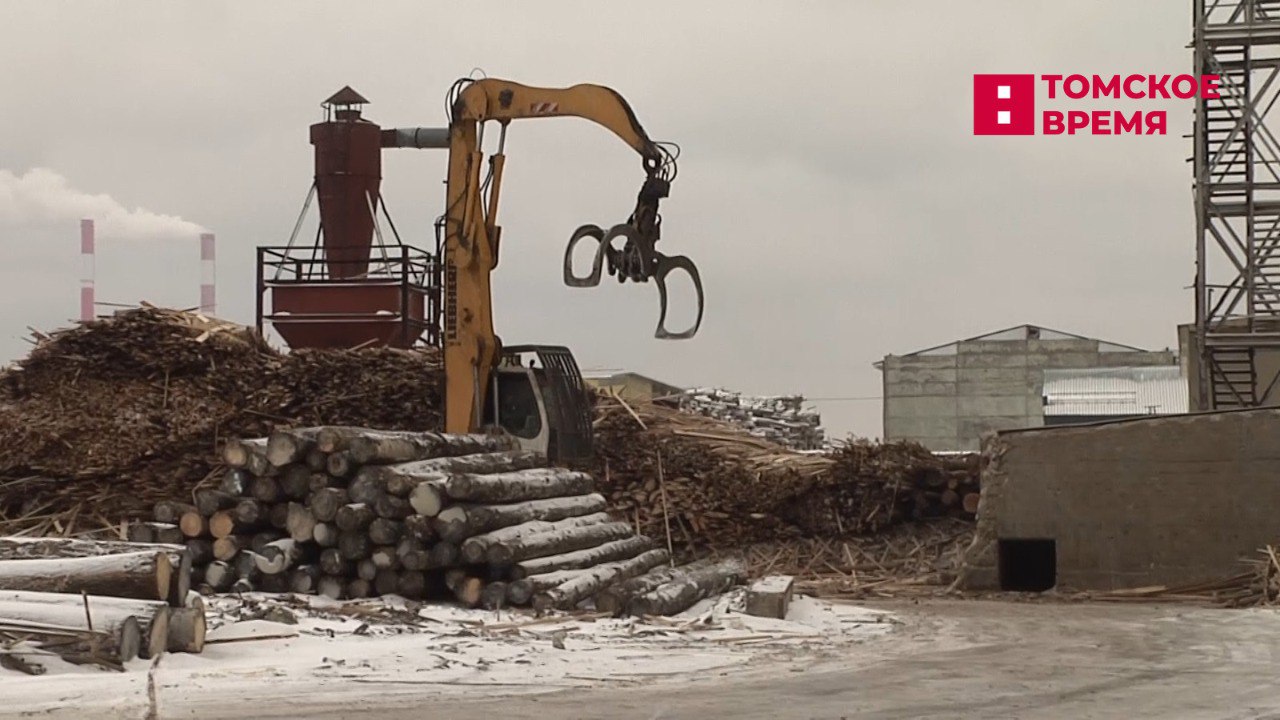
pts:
[471, 233]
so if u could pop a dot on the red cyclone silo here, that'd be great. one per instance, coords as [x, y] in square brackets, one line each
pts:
[348, 174]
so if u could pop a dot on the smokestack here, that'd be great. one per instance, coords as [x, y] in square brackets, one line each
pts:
[208, 275]
[86, 270]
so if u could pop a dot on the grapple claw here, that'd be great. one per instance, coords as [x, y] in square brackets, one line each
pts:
[663, 267]
[591, 279]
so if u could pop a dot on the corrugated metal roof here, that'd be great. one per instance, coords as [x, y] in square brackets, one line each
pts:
[1158, 390]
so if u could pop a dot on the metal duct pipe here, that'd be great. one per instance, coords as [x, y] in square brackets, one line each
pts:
[421, 138]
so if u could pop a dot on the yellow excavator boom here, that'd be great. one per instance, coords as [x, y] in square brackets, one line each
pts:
[471, 232]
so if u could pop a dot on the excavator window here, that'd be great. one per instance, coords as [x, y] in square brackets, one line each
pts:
[518, 405]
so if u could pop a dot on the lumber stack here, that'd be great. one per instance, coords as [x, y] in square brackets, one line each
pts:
[717, 486]
[106, 418]
[353, 512]
[91, 601]
[782, 419]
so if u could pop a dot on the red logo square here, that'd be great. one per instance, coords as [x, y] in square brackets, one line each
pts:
[1004, 104]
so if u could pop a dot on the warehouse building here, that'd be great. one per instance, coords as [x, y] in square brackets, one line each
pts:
[630, 386]
[947, 397]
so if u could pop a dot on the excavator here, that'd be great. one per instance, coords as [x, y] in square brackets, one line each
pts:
[534, 392]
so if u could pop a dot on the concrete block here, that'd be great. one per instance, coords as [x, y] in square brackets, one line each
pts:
[973, 375]
[913, 373]
[1050, 346]
[987, 405]
[992, 347]
[992, 360]
[905, 388]
[1123, 359]
[896, 362]
[938, 406]
[1072, 360]
[770, 596]
[1020, 388]
[920, 427]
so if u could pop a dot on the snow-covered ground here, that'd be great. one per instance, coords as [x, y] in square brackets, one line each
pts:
[310, 650]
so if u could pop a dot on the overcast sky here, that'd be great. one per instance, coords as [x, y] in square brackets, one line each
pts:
[830, 187]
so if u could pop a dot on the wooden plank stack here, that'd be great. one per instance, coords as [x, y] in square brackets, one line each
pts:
[782, 419]
[352, 512]
[97, 602]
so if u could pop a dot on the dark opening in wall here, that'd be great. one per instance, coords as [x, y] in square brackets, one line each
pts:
[1028, 565]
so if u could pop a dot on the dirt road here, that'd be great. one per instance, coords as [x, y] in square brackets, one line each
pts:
[960, 659]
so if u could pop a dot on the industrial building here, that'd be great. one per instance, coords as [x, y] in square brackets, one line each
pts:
[631, 386]
[1131, 503]
[947, 397]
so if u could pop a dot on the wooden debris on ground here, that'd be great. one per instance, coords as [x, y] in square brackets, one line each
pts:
[723, 488]
[914, 559]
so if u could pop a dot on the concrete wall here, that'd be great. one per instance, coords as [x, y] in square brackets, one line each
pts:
[947, 402]
[1133, 503]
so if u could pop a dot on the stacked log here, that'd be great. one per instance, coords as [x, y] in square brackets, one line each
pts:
[103, 602]
[422, 515]
[711, 485]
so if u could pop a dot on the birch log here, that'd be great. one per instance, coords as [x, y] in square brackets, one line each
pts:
[588, 582]
[141, 575]
[687, 589]
[608, 552]
[517, 486]
[557, 542]
[459, 522]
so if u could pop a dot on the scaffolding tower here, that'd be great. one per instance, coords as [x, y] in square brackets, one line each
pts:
[1237, 197]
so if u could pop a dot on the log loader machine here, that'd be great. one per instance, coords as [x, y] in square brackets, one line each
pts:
[352, 292]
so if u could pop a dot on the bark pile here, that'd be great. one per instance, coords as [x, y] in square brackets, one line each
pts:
[106, 418]
[712, 485]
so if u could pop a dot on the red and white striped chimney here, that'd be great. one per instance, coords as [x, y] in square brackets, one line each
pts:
[208, 276]
[86, 269]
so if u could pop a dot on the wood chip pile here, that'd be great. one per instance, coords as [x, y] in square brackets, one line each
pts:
[95, 602]
[104, 419]
[781, 419]
[716, 486]
[351, 513]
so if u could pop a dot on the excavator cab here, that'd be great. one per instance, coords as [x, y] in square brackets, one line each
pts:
[537, 395]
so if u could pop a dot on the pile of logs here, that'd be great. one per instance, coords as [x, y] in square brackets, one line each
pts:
[350, 513]
[154, 391]
[97, 602]
[716, 486]
[782, 419]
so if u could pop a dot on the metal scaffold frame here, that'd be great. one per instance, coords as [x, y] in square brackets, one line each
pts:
[1237, 197]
